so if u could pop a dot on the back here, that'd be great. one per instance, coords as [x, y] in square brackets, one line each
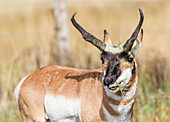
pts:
[55, 85]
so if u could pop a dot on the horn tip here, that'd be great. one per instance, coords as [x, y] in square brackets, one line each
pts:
[73, 15]
[105, 32]
[141, 12]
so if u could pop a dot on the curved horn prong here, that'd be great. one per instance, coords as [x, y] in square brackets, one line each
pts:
[129, 43]
[87, 36]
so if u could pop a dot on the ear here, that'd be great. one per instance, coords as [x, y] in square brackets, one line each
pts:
[107, 39]
[105, 65]
[139, 42]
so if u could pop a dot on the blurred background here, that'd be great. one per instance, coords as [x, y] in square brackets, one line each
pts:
[29, 39]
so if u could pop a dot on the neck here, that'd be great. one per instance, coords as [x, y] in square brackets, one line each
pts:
[116, 106]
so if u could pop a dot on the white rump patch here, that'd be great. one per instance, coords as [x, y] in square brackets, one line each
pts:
[61, 108]
[17, 89]
[60, 67]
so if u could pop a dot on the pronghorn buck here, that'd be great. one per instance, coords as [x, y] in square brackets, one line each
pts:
[59, 93]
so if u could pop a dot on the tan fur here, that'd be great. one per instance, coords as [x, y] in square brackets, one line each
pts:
[72, 83]
[105, 65]
[132, 81]
[31, 104]
[110, 110]
[102, 115]
[115, 102]
[125, 64]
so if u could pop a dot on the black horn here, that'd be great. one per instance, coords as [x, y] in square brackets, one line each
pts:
[129, 43]
[87, 36]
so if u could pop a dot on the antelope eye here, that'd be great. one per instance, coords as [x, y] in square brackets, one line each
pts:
[130, 60]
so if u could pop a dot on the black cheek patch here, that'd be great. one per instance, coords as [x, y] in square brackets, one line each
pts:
[133, 69]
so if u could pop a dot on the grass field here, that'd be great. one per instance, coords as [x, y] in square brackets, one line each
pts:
[28, 42]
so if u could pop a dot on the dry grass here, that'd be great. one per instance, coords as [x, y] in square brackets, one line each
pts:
[158, 72]
[27, 42]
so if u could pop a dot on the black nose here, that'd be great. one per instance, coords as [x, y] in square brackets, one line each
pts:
[107, 82]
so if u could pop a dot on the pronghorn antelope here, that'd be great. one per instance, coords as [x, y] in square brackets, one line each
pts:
[59, 93]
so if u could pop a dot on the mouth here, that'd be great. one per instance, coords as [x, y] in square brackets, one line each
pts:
[118, 86]
[115, 87]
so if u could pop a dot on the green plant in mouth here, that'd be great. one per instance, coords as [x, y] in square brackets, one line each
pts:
[122, 88]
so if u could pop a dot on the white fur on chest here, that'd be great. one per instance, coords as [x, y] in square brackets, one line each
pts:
[60, 107]
[122, 110]
[121, 118]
